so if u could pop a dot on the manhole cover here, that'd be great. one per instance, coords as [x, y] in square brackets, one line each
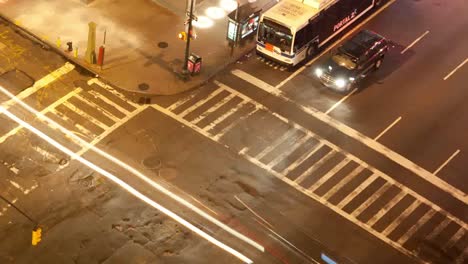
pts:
[163, 44]
[168, 173]
[152, 163]
[143, 86]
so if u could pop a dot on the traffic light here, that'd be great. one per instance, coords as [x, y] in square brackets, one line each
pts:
[182, 36]
[36, 236]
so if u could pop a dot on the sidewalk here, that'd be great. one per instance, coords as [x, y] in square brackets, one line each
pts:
[133, 59]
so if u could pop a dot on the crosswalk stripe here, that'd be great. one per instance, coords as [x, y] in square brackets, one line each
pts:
[213, 108]
[180, 102]
[200, 102]
[358, 190]
[112, 90]
[316, 165]
[255, 81]
[430, 213]
[370, 200]
[224, 116]
[439, 228]
[401, 217]
[455, 237]
[75, 109]
[233, 124]
[110, 102]
[45, 110]
[44, 81]
[276, 143]
[94, 105]
[288, 151]
[329, 174]
[302, 158]
[386, 208]
[82, 130]
[343, 182]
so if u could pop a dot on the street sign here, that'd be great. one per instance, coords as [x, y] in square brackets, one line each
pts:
[194, 17]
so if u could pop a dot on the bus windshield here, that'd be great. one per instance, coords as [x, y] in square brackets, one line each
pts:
[275, 34]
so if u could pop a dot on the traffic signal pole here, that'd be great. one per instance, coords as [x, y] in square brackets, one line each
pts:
[17, 209]
[187, 46]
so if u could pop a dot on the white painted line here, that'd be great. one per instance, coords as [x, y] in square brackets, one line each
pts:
[329, 174]
[255, 81]
[288, 151]
[401, 217]
[109, 102]
[343, 182]
[316, 165]
[112, 90]
[182, 101]
[454, 70]
[252, 211]
[234, 123]
[85, 115]
[44, 81]
[46, 155]
[215, 107]
[95, 105]
[446, 162]
[290, 134]
[442, 225]
[390, 204]
[200, 102]
[302, 158]
[357, 191]
[341, 101]
[414, 42]
[202, 204]
[45, 110]
[350, 32]
[127, 187]
[428, 215]
[454, 239]
[371, 199]
[82, 130]
[221, 118]
[388, 128]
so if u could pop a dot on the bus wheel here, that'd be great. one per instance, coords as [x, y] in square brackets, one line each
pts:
[311, 51]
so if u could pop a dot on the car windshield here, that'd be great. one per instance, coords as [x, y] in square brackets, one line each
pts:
[275, 34]
[344, 60]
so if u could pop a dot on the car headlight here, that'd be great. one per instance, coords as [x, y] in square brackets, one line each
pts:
[318, 72]
[351, 79]
[340, 83]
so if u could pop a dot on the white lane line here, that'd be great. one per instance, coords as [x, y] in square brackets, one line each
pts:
[442, 225]
[200, 102]
[288, 151]
[316, 165]
[255, 81]
[329, 174]
[302, 158]
[341, 101]
[455, 237]
[94, 105]
[415, 41]
[371, 199]
[343, 182]
[85, 115]
[202, 204]
[401, 217]
[109, 102]
[357, 191]
[388, 128]
[44, 81]
[446, 162]
[350, 32]
[390, 204]
[215, 107]
[454, 70]
[428, 215]
[253, 212]
[276, 143]
[127, 187]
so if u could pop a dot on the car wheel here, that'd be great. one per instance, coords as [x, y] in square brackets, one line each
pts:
[378, 63]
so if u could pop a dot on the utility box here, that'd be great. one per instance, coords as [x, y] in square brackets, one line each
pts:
[194, 64]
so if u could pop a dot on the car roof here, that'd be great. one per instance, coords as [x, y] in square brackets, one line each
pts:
[360, 43]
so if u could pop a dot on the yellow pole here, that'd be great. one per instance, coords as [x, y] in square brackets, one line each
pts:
[75, 54]
[59, 42]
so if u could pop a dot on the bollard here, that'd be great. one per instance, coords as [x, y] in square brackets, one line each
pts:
[59, 42]
[75, 54]
[70, 46]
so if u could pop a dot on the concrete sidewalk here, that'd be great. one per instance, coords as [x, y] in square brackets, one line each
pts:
[143, 53]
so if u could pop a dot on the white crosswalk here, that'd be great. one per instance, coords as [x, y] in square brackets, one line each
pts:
[336, 196]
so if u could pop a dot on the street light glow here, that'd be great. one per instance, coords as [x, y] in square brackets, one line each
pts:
[203, 22]
[215, 12]
[228, 5]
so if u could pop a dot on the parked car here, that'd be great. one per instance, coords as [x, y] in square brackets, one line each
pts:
[353, 61]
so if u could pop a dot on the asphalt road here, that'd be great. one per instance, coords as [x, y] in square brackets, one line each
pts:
[253, 149]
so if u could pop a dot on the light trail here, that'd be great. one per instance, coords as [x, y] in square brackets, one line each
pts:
[126, 186]
[135, 172]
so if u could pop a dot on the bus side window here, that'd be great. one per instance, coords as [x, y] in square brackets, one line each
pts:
[300, 39]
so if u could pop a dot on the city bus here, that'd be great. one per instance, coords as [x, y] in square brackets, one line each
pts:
[294, 30]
